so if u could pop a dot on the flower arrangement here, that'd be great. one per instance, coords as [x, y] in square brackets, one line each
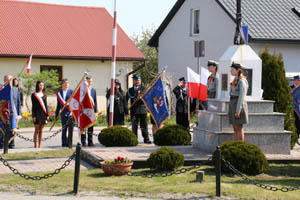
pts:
[118, 160]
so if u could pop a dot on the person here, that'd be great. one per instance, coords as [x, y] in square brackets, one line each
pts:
[212, 80]
[91, 129]
[17, 104]
[182, 104]
[297, 118]
[120, 104]
[40, 115]
[62, 97]
[138, 112]
[17, 85]
[238, 108]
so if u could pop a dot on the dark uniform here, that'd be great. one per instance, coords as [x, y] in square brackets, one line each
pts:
[297, 120]
[138, 112]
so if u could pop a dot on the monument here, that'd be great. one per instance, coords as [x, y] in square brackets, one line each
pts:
[265, 128]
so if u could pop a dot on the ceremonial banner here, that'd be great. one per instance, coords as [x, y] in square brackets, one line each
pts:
[155, 100]
[7, 111]
[82, 107]
[296, 99]
[197, 84]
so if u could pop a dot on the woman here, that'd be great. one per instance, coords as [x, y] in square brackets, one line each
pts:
[39, 112]
[238, 108]
[17, 85]
[120, 104]
[212, 81]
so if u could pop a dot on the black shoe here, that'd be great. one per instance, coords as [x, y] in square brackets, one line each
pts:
[11, 147]
[91, 145]
[83, 145]
[147, 141]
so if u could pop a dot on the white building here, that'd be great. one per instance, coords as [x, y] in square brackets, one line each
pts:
[275, 24]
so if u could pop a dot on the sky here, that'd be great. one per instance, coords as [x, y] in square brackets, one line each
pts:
[132, 15]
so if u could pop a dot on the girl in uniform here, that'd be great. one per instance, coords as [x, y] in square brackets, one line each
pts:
[212, 81]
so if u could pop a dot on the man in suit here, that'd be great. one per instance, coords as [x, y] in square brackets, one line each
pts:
[90, 130]
[17, 103]
[62, 97]
[138, 112]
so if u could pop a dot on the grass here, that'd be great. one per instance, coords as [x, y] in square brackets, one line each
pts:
[176, 185]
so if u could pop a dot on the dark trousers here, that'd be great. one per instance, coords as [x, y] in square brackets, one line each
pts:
[67, 125]
[297, 123]
[182, 119]
[90, 136]
[143, 120]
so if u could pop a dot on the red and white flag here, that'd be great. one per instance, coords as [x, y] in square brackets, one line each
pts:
[82, 107]
[29, 64]
[197, 85]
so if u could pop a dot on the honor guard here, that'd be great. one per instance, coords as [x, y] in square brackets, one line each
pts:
[138, 111]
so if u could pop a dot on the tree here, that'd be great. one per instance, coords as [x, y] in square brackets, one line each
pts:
[151, 68]
[276, 88]
[50, 79]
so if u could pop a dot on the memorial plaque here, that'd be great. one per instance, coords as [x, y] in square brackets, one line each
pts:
[248, 73]
[224, 82]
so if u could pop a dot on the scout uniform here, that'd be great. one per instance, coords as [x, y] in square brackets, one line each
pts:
[212, 81]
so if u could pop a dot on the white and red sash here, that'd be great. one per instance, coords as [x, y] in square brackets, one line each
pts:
[40, 100]
[62, 101]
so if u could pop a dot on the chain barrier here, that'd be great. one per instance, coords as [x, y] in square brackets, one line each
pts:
[256, 183]
[46, 176]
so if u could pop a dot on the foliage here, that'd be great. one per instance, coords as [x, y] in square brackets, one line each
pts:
[172, 135]
[165, 159]
[117, 136]
[151, 68]
[118, 160]
[276, 88]
[247, 158]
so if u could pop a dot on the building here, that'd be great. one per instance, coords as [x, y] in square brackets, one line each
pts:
[275, 24]
[69, 39]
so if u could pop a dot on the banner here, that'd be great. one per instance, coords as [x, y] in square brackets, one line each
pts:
[296, 99]
[7, 111]
[155, 100]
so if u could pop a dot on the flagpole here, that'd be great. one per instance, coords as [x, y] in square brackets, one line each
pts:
[113, 67]
[68, 101]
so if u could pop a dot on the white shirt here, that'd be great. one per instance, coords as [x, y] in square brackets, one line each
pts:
[64, 94]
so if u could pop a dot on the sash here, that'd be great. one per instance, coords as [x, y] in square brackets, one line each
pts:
[40, 100]
[62, 101]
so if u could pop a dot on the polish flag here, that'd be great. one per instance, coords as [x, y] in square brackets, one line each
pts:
[29, 64]
[193, 83]
[203, 84]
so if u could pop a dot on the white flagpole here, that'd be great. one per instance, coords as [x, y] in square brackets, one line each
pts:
[113, 67]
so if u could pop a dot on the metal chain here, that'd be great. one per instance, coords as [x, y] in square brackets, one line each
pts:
[46, 176]
[261, 185]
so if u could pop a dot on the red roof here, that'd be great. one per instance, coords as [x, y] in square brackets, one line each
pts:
[49, 30]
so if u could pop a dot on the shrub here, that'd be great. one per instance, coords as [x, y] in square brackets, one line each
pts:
[276, 88]
[165, 159]
[247, 158]
[117, 136]
[172, 135]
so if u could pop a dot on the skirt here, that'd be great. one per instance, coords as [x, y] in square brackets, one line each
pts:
[243, 115]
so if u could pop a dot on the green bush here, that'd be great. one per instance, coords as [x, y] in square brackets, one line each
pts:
[165, 159]
[172, 135]
[276, 88]
[247, 158]
[117, 136]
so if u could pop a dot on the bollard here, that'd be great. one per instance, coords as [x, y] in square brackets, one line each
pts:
[199, 176]
[77, 168]
[6, 137]
[70, 136]
[218, 172]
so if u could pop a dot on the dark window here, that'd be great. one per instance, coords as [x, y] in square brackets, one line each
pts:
[196, 22]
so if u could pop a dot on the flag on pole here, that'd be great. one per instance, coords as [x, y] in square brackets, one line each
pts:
[203, 84]
[7, 111]
[82, 107]
[29, 64]
[155, 100]
[197, 84]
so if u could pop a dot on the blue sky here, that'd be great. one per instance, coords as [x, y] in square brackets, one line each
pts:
[133, 15]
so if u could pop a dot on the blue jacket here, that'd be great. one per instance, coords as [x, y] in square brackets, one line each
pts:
[94, 96]
[59, 106]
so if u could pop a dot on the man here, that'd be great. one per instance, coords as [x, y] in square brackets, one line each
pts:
[17, 103]
[297, 119]
[138, 111]
[90, 130]
[182, 104]
[62, 98]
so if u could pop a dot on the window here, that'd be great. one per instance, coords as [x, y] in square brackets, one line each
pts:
[195, 21]
[58, 69]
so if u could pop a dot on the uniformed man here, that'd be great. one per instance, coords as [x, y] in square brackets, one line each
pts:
[182, 103]
[297, 120]
[138, 111]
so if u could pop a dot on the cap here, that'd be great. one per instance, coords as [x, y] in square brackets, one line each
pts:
[182, 79]
[136, 77]
[212, 63]
[117, 82]
[296, 77]
[236, 65]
